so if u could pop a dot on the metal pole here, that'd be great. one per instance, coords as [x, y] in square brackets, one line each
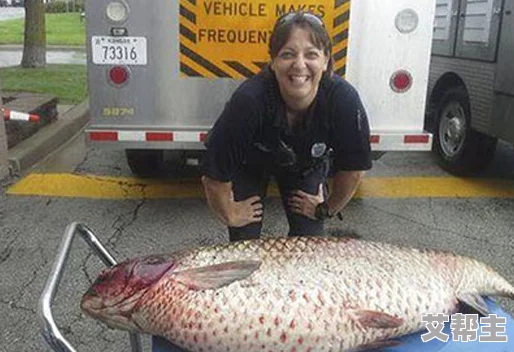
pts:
[4, 164]
[51, 333]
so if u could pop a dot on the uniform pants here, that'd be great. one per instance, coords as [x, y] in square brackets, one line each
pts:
[252, 181]
[160, 344]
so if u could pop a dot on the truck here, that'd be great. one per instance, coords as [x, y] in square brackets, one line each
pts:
[471, 82]
[160, 72]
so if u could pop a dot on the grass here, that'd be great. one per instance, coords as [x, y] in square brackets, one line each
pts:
[68, 82]
[61, 29]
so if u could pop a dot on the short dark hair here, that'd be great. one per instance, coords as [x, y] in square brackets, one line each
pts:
[305, 20]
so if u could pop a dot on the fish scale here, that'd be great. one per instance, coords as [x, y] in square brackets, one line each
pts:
[308, 294]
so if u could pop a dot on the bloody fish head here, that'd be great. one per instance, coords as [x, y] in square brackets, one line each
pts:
[117, 290]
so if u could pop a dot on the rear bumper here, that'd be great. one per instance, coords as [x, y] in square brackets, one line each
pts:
[401, 141]
[193, 139]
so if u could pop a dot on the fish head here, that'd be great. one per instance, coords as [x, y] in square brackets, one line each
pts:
[114, 295]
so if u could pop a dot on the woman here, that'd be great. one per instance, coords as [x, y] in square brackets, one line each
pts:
[285, 122]
[295, 121]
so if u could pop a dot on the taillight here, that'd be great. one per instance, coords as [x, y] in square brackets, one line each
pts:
[119, 75]
[117, 11]
[401, 81]
[406, 21]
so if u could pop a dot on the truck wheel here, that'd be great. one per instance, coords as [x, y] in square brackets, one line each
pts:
[460, 149]
[145, 162]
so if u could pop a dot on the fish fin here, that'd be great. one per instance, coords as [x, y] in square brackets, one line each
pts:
[218, 275]
[474, 301]
[374, 319]
[376, 346]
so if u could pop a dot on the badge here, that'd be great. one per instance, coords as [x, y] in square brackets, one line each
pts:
[318, 150]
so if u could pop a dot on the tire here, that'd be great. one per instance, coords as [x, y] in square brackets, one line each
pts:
[145, 162]
[459, 149]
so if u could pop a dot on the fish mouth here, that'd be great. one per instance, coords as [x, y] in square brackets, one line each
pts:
[115, 317]
[114, 314]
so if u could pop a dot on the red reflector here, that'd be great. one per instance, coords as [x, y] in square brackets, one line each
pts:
[374, 139]
[103, 136]
[159, 136]
[6, 112]
[118, 74]
[203, 137]
[401, 81]
[422, 138]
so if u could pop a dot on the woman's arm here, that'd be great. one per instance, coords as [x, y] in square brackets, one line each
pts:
[344, 185]
[220, 198]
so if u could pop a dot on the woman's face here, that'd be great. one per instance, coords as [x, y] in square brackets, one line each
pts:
[298, 67]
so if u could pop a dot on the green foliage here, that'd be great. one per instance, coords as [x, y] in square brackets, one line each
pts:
[63, 6]
[65, 29]
[68, 82]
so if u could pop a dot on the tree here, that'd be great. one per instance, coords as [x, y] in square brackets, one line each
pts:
[34, 48]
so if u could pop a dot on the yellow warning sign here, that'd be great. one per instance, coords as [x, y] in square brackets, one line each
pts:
[223, 38]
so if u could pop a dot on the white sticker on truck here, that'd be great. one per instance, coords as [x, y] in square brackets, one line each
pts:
[119, 50]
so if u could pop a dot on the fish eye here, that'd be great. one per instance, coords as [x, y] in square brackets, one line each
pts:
[153, 260]
[102, 276]
[92, 292]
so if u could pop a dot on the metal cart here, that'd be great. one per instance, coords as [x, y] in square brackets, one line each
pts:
[51, 332]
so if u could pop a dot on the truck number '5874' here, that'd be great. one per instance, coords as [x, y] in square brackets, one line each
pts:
[119, 50]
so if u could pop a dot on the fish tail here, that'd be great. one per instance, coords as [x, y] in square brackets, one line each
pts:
[499, 285]
[505, 288]
[488, 281]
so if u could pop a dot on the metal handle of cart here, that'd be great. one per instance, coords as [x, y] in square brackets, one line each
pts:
[50, 332]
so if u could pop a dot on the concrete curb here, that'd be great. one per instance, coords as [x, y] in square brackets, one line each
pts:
[48, 139]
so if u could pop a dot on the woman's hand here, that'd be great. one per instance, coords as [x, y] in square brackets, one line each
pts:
[304, 203]
[220, 198]
[246, 212]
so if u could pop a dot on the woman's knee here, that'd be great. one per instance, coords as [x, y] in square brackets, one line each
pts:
[248, 232]
[302, 226]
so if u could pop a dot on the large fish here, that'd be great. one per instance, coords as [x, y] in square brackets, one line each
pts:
[289, 294]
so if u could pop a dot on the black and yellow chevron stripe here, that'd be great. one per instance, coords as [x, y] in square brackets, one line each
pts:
[340, 35]
[195, 64]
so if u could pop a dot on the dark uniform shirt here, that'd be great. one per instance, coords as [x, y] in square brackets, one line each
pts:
[336, 119]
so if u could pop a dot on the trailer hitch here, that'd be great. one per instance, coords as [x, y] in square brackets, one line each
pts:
[51, 333]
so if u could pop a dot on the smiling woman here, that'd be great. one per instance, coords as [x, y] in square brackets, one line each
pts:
[298, 67]
[295, 120]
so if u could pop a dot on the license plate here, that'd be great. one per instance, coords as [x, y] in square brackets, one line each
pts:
[118, 50]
